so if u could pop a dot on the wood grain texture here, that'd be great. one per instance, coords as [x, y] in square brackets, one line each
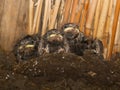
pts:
[46, 16]
[90, 17]
[2, 2]
[1, 12]
[73, 11]
[114, 28]
[31, 16]
[11, 20]
[117, 38]
[22, 21]
[79, 12]
[54, 14]
[106, 31]
[102, 21]
[67, 11]
[36, 23]
[97, 17]
[84, 14]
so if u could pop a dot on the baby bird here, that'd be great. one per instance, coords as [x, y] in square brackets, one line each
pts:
[74, 38]
[27, 47]
[52, 42]
[97, 47]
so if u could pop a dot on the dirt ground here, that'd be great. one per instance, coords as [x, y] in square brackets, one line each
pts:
[60, 72]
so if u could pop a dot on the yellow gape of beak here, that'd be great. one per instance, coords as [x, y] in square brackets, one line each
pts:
[68, 29]
[52, 35]
[29, 46]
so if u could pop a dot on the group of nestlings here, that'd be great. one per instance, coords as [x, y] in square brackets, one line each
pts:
[69, 39]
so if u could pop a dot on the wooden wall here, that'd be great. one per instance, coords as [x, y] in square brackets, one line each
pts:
[96, 18]
[13, 22]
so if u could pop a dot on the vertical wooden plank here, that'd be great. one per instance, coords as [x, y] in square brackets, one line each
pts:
[90, 17]
[22, 20]
[67, 11]
[110, 28]
[74, 9]
[31, 16]
[1, 12]
[54, 14]
[78, 14]
[83, 17]
[1, 8]
[8, 23]
[102, 21]
[37, 17]
[117, 38]
[46, 16]
[116, 15]
[60, 14]
[107, 28]
[97, 16]
[109, 16]
[14, 24]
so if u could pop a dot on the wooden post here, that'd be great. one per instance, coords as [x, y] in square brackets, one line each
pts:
[109, 16]
[74, 9]
[36, 22]
[1, 12]
[78, 14]
[46, 16]
[116, 15]
[102, 21]
[83, 17]
[90, 17]
[9, 23]
[60, 14]
[13, 23]
[117, 37]
[97, 16]
[39, 9]
[54, 14]
[31, 16]
[67, 11]
[107, 28]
